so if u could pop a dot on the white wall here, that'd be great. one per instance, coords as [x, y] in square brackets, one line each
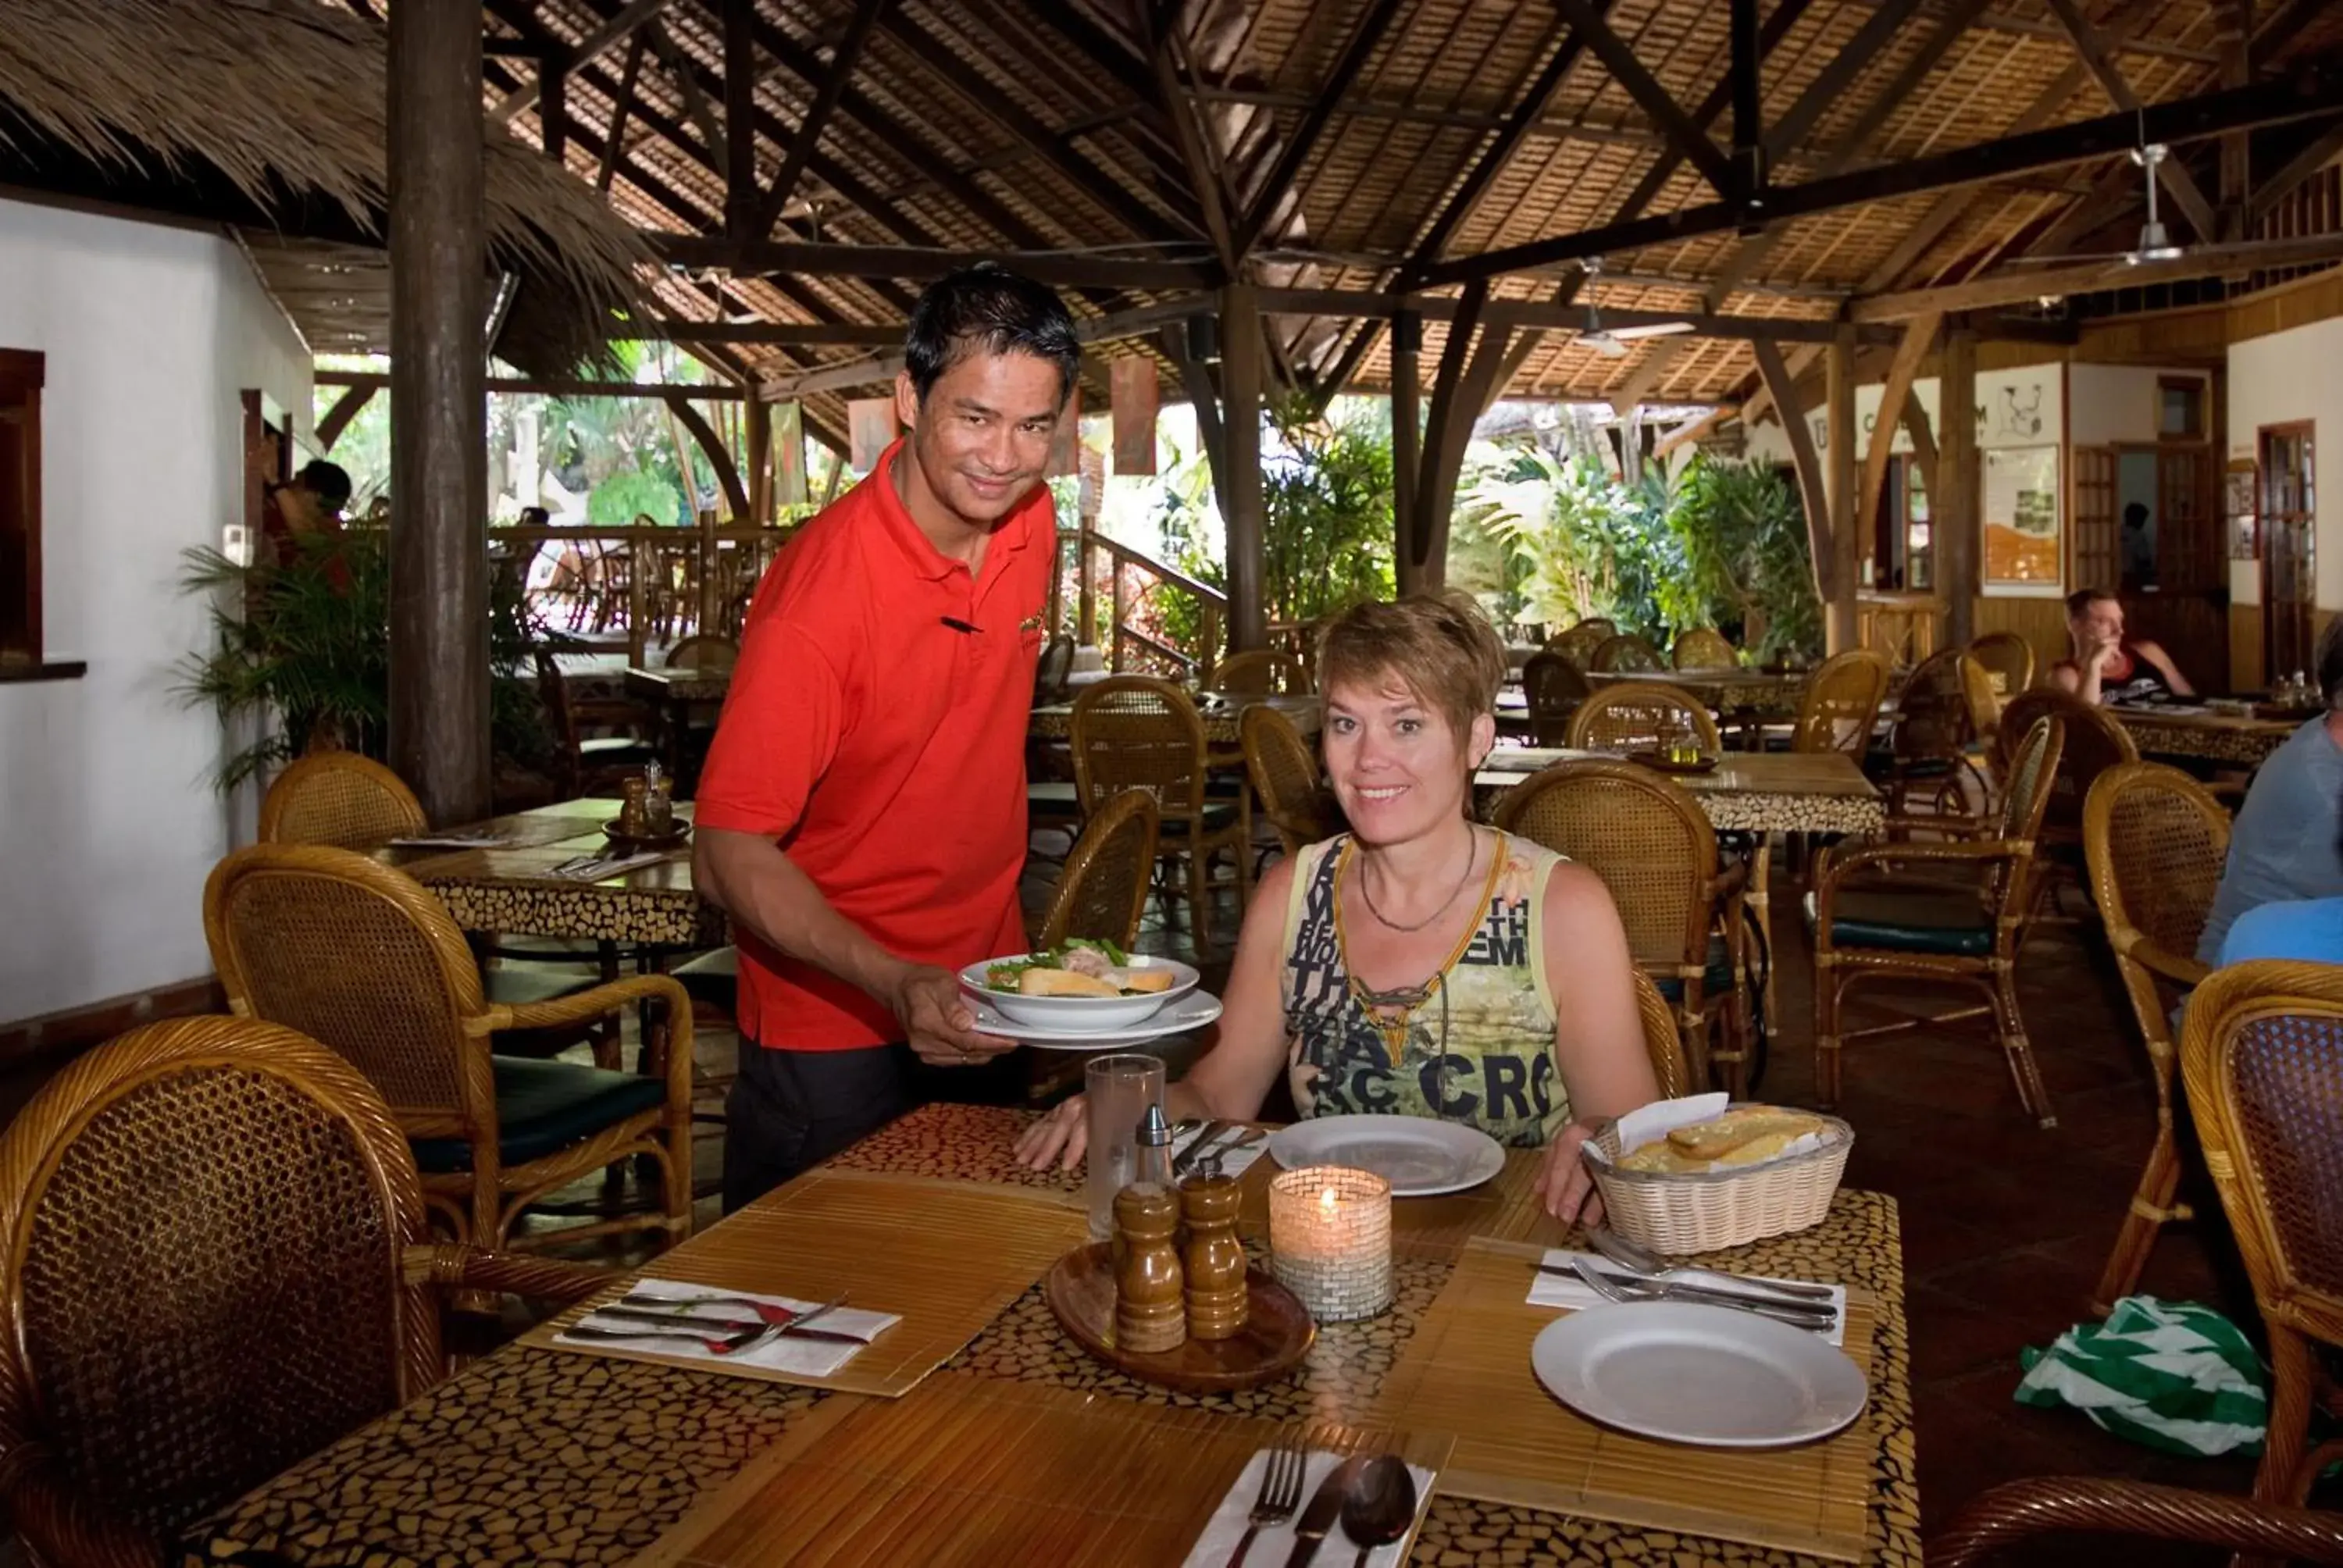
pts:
[107, 815]
[2113, 403]
[2277, 380]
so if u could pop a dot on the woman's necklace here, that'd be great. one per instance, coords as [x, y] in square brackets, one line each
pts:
[1472, 854]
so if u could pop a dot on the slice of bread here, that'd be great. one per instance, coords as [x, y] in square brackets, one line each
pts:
[1064, 982]
[1146, 979]
[1722, 1136]
[1661, 1155]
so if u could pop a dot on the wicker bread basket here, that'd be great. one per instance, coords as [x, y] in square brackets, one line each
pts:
[1700, 1211]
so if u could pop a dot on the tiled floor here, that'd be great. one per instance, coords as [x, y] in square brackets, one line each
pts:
[2006, 1227]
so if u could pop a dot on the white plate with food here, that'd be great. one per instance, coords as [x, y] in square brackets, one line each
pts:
[1192, 1012]
[1420, 1157]
[1713, 1377]
[1079, 985]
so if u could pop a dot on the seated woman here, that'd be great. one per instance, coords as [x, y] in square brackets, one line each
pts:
[1420, 965]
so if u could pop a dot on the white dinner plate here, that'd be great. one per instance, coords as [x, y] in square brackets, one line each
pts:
[1709, 1376]
[1082, 1014]
[1418, 1156]
[1193, 1010]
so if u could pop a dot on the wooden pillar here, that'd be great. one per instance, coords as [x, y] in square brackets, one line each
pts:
[1839, 471]
[1407, 429]
[1953, 511]
[1086, 579]
[1240, 477]
[758, 434]
[2233, 32]
[439, 401]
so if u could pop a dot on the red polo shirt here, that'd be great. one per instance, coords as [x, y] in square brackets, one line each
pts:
[883, 748]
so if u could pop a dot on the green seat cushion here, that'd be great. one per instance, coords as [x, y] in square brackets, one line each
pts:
[1947, 924]
[1714, 981]
[542, 1106]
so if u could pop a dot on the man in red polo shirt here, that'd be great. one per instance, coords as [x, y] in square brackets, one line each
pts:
[861, 816]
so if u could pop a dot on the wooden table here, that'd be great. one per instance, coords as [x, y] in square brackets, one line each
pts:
[1749, 791]
[511, 888]
[1220, 710]
[561, 1459]
[674, 693]
[2205, 737]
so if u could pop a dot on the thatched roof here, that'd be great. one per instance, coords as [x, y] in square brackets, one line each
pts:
[282, 106]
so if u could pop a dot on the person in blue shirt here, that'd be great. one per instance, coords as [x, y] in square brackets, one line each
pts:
[2304, 930]
[2287, 844]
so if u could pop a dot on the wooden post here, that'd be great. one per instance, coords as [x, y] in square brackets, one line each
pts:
[1086, 579]
[1954, 511]
[1239, 477]
[1838, 466]
[758, 434]
[1407, 432]
[439, 409]
[1919, 335]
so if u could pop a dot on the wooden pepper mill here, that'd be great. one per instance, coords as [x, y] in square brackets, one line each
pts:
[1150, 1312]
[1217, 1301]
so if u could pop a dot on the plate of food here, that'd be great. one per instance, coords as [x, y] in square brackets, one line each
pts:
[1192, 1012]
[1080, 986]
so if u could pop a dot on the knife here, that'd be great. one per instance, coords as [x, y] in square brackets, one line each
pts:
[1325, 1506]
[725, 1325]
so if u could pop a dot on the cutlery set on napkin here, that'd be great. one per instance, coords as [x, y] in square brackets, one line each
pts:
[594, 868]
[775, 1333]
[1579, 1280]
[1232, 1143]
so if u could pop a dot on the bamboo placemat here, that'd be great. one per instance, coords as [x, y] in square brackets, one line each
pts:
[971, 1471]
[947, 1259]
[1467, 1371]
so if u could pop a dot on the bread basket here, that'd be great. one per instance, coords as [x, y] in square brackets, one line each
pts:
[1702, 1210]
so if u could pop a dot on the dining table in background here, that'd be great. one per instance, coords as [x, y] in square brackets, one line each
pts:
[1019, 1447]
[2196, 735]
[675, 694]
[1220, 710]
[509, 888]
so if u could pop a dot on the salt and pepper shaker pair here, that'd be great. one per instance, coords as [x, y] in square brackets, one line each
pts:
[1164, 1293]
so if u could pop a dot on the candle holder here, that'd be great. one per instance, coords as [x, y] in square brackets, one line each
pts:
[1329, 1241]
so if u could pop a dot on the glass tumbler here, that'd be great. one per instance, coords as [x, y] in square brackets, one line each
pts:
[1119, 1089]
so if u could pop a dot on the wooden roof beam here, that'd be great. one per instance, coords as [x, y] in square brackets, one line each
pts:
[1065, 269]
[610, 35]
[1196, 149]
[816, 117]
[1687, 140]
[2322, 149]
[2185, 193]
[1298, 147]
[685, 75]
[2278, 28]
[614, 146]
[2309, 92]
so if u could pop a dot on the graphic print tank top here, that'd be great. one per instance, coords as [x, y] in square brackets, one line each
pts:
[1493, 1070]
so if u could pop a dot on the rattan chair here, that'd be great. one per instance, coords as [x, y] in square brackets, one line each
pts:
[1052, 669]
[214, 1267]
[1134, 733]
[1578, 644]
[1260, 673]
[2096, 742]
[1929, 763]
[1840, 704]
[1286, 774]
[1705, 648]
[341, 798]
[705, 651]
[363, 958]
[2008, 655]
[1102, 891]
[1638, 716]
[2155, 842]
[584, 765]
[1626, 652]
[1554, 687]
[1869, 925]
[1659, 1041]
[1993, 1521]
[1653, 846]
[2261, 1055]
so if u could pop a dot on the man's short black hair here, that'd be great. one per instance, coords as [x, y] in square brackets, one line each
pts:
[2135, 514]
[2079, 602]
[989, 309]
[2330, 663]
[327, 481]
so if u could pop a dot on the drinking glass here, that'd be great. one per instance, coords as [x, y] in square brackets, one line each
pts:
[1119, 1089]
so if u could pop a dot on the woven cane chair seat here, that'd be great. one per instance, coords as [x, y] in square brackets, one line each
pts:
[1705, 648]
[1840, 704]
[1639, 716]
[2009, 656]
[1286, 774]
[1554, 687]
[341, 798]
[2009, 1514]
[1134, 733]
[1259, 672]
[1626, 652]
[1102, 891]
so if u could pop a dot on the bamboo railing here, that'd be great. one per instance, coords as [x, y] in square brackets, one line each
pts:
[634, 586]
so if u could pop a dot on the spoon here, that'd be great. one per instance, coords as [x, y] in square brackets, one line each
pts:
[1380, 1506]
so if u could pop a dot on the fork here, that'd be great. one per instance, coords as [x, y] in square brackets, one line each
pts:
[721, 1345]
[1644, 1263]
[1612, 1287]
[1279, 1494]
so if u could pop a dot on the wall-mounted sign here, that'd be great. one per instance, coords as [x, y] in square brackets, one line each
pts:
[2021, 514]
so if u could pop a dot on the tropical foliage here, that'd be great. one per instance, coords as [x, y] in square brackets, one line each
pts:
[301, 653]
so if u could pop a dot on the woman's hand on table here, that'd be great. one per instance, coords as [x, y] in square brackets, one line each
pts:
[1565, 1188]
[1059, 1138]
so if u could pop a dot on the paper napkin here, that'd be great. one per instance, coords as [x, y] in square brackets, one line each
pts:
[1275, 1542]
[798, 1355]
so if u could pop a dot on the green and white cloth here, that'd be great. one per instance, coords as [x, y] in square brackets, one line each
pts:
[2173, 1375]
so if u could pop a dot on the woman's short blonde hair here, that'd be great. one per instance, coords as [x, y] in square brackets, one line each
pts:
[1440, 647]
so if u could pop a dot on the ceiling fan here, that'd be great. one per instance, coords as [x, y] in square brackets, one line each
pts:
[1611, 343]
[2154, 240]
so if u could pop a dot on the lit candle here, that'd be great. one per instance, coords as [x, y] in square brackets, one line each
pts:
[1329, 1241]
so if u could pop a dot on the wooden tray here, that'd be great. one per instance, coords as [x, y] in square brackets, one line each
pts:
[629, 844]
[1658, 763]
[1277, 1333]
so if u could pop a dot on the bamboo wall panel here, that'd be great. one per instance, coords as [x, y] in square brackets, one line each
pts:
[971, 1471]
[1467, 1371]
[947, 1259]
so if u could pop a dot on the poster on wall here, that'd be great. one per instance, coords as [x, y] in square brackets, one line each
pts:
[2021, 516]
[2239, 486]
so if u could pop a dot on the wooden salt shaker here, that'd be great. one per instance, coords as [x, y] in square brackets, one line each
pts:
[1217, 1301]
[1149, 1309]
